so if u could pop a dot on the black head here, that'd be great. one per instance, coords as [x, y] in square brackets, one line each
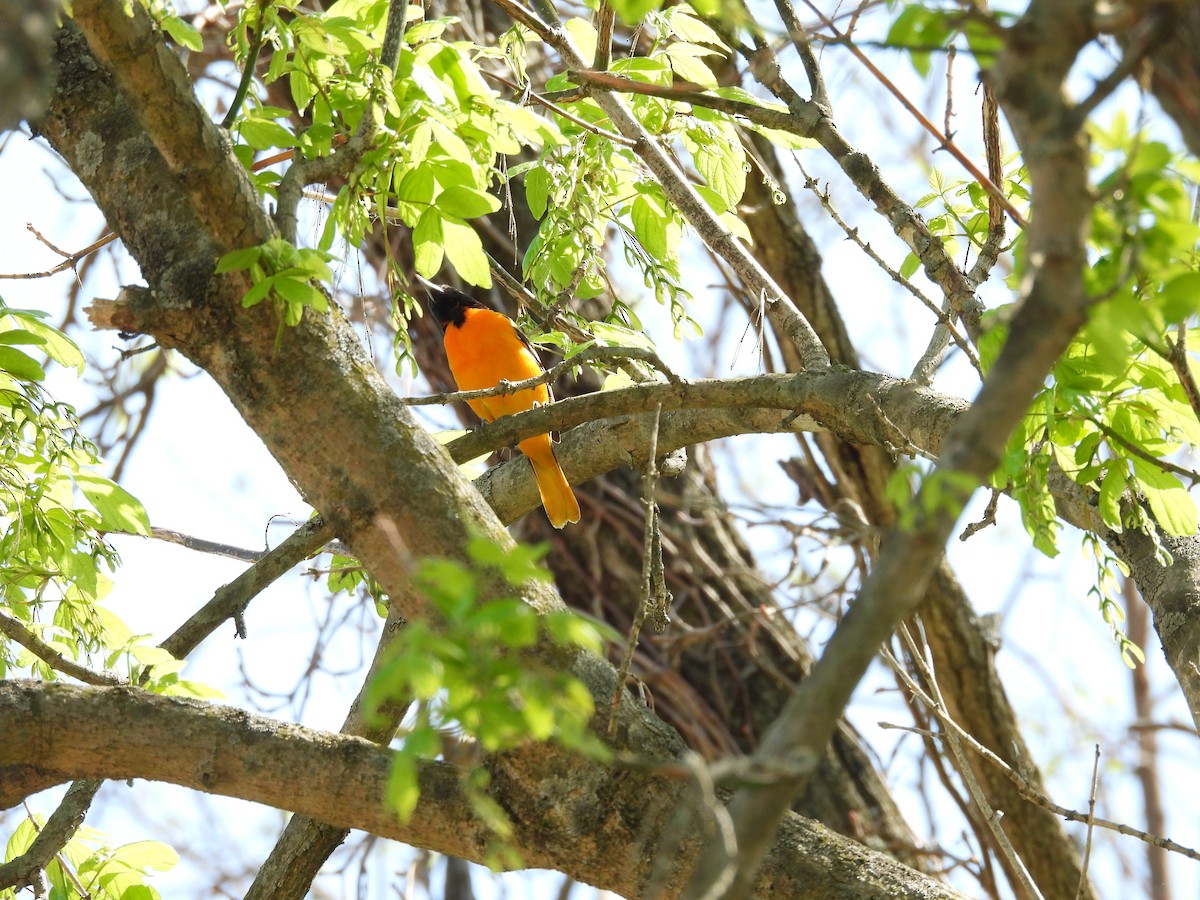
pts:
[447, 303]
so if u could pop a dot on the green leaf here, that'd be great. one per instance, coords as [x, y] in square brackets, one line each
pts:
[467, 202]
[262, 134]
[1111, 490]
[119, 510]
[687, 27]
[464, 249]
[720, 160]
[258, 292]
[632, 12]
[183, 33]
[54, 343]
[1171, 504]
[1180, 297]
[20, 365]
[584, 36]
[537, 190]
[300, 291]
[685, 62]
[235, 260]
[21, 336]
[650, 226]
[428, 243]
[144, 855]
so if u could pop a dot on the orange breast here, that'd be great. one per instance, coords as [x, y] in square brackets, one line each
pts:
[486, 350]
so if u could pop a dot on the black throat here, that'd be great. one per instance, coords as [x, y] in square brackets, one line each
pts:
[449, 305]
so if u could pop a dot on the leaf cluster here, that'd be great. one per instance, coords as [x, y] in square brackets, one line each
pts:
[89, 868]
[467, 675]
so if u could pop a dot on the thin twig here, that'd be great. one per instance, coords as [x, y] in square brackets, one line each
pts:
[1091, 823]
[943, 140]
[558, 110]
[1178, 358]
[1026, 790]
[70, 260]
[852, 233]
[15, 630]
[799, 37]
[205, 546]
[650, 535]
[1137, 451]
[924, 662]
[505, 388]
[243, 87]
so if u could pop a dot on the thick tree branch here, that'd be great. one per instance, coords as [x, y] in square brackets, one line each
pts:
[862, 406]
[124, 733]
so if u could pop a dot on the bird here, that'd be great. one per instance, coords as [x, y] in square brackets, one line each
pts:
[483, 348]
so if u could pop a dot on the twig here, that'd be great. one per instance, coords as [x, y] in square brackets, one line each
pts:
[230, 600]
[651, 537]
[70, 260]
[205, 546]
[943, 140]
[1091, 823]
[243, 87]
[1141, 454]
[558, 110]
[852, 233]
[683, 196]
[51, 657]
[304, 172]
[811, 120]
[66, 867]
[505, 388]
[989, 518]
[951, 53]
[51, 837]
[1178, 358]
[686, 92]
[812, 68]
[1026, 790]
[1150, 28]
[605, 19]
[924, 662]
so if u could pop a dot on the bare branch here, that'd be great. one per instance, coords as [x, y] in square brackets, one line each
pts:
[51, 657]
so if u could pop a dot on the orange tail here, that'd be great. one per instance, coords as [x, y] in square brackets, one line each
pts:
[557, 496]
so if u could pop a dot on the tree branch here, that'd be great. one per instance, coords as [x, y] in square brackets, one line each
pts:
[51, 657]
[230, 600]
[342, 780]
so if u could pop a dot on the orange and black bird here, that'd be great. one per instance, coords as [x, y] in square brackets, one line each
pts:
[485, 347]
